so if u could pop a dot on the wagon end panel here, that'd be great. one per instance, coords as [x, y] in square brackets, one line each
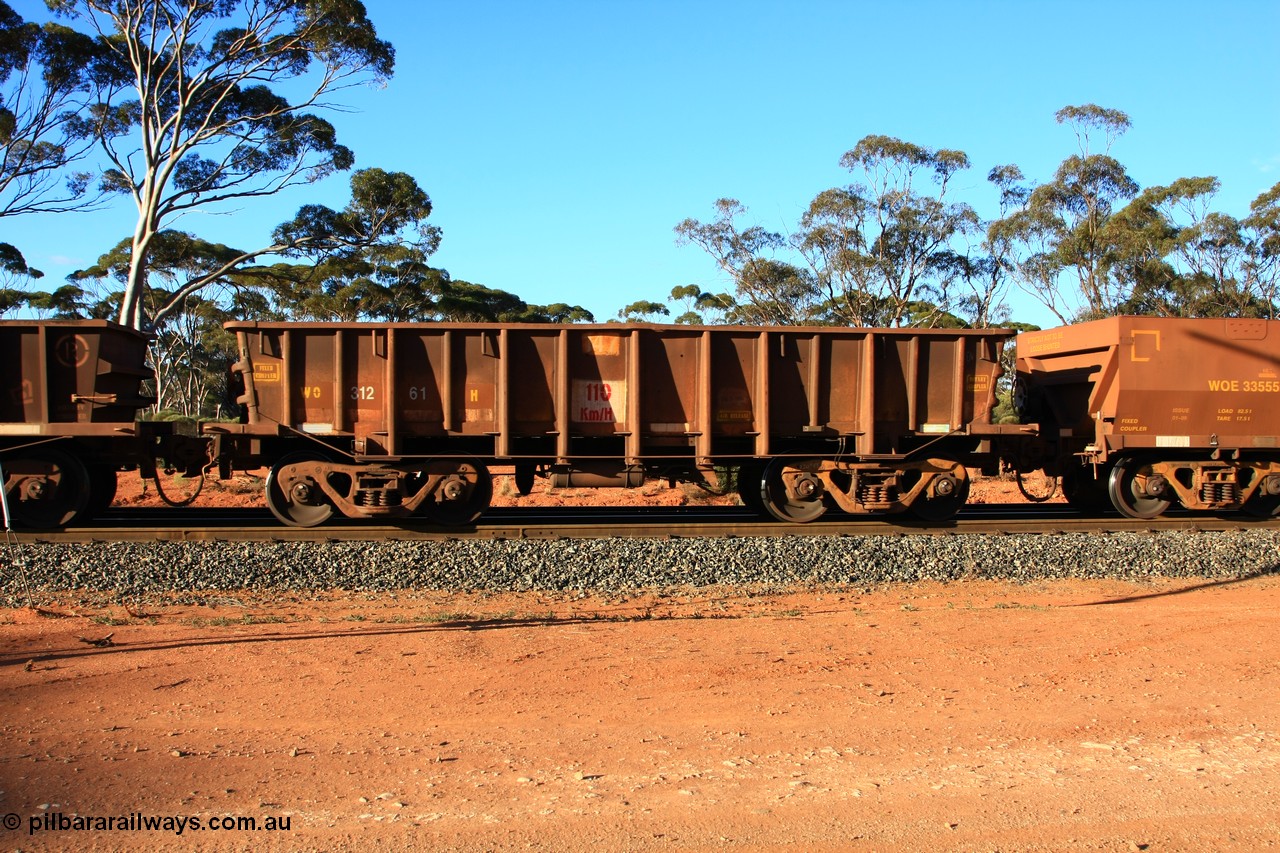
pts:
[74, 372]
[1134, 382]
[1067, 376]
[1196, 383]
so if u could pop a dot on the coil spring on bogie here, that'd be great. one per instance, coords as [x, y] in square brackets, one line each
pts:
[378, 497]
[1219, 493]
[877, 494]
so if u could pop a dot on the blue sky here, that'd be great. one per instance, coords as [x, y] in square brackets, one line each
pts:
[562, 141]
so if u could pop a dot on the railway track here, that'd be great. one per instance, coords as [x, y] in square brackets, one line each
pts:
[258, 525]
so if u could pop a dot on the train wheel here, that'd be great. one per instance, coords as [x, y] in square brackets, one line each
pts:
[102, 490]
[1265, 503]
[750, 487]
[462, 495]
[297, 501]
[46, 489]
[1263, 507]
[791, 490]
[524, 479]
[945, 495]
[1135, 491]
[1084, 492]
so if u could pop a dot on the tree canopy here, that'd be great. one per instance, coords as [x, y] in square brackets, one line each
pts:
[214, 102]
[48, 75]
[894, 247]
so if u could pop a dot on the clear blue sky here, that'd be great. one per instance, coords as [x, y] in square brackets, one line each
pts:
[562, 141]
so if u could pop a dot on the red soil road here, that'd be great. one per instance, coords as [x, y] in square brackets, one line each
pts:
[967, 716]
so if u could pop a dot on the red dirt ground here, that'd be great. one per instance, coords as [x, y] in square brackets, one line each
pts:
[967, 716]
[970, 716]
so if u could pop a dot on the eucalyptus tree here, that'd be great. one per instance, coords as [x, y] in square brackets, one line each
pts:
[701, 307]
[884, 245]
[1193, 261]
[386, 209]
[13, 271]
[67, 302]
[47, 76]
[221, 105]
[986, 270]
[768, 290]
[1261, 229]
[643, 311]
[11, 298]
[397, 284]
[390, 281]
[1061, 231]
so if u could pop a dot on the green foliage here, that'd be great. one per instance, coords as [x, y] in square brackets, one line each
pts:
[363, 263]
[47, 75]
[392, 282]
[1156, 251]
[700, 307]
[1090, 118]
[1061, 229]
[642, 311]
[13, 264]
[767, 290]
[201, 104]
[1188, 261]
[871, 253]
[891, 247]
[65, 303]
[11, 299]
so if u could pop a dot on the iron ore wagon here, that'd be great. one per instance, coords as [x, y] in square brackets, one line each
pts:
[394, 420]
[1148, 412]
[388, 420]
[70, 395]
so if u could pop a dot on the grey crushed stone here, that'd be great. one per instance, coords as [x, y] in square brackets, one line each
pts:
[131, 570]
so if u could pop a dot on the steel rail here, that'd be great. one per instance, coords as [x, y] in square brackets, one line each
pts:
[145, 525]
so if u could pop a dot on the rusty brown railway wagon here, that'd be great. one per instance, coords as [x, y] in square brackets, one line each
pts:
[1149, 412]
[69, 404]
[402, 419]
